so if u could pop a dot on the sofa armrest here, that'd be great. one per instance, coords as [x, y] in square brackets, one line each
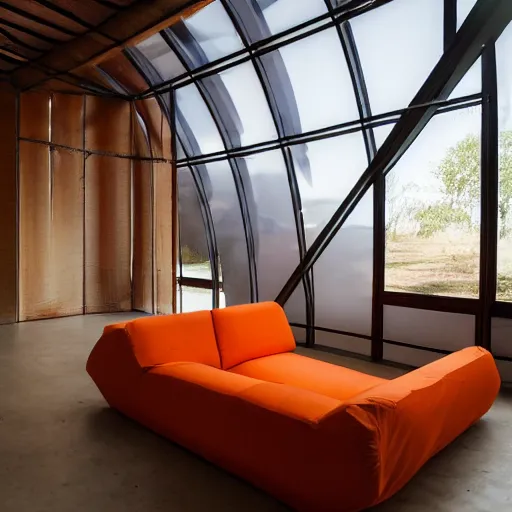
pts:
[421, 412]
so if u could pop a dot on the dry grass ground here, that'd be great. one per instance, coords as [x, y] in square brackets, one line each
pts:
[446, 264]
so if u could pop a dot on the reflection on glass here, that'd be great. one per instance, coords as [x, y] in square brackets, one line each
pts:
[284, 14]
[208, 35]
[165, 61]
[278, 252]
[321, 82]
[242, 105]
[433, 210]
[399, 44]
[230, 234]
[196, 114]
[194, 249]
[504, 50]
[336, 165]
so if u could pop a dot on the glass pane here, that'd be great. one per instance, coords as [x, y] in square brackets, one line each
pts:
[284, 14]
[433, 210]
[433, 329]
[165, 61]
[344, 276]
[230, 234]
[194, 249]
[200, 122]
[273, 221]
[399, 44]
[322, 87]
[207, 35]
[195, 299]
[504, 50]
[326, 174]
[463, 9]
[242, 105]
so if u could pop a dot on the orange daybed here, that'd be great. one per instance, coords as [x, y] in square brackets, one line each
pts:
[227, 385]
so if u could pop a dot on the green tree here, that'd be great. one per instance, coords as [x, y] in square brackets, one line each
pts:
[459, 175]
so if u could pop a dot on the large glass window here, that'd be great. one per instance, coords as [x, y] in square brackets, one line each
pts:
[433, 210]
[504, 50]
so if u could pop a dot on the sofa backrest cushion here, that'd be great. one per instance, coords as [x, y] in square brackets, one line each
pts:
[171, 338]
[251, 331]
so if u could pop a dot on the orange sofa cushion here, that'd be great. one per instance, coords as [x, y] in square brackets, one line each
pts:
[164, 339]
[306, 373]
[251, 331]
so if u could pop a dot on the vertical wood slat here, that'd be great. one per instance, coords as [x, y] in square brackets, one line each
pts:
[36, 294]
[8, 200]
[51, 217]
[108, 207]
[107, 240]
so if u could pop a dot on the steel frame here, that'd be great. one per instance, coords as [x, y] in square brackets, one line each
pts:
[462, 48]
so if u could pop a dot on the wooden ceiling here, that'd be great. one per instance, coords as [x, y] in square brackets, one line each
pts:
[45, 41]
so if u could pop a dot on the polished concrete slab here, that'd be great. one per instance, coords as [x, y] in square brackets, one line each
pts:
[62, 450]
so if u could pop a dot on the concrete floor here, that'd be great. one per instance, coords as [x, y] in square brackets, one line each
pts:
[62, 450]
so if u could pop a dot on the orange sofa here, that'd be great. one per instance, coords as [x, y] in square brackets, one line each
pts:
[227, 385]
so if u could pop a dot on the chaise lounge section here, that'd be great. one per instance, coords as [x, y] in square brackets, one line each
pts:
[227, 385]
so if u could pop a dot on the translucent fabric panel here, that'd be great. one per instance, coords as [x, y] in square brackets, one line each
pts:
[344, 276]
[503, 52]
[245, 106]
[463, 9]
[399, 44]
[409, 356]
[211, 29]
[433, 210]
[295, 307]
[336, 165]
[194, 249]
[196, 114]
[284, 14]
[278, 250]
[342, 342]
[320, 79]
[432, 329]
[501, 337]
[165, 61]
[230, 234]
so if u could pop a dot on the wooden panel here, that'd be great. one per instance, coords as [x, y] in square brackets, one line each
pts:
[107, 234]
[67, 232]
[8, 207]
[108, 125]
[35, 280]
[164, 233]
[67, 120]
[143, 286]
[35, 115]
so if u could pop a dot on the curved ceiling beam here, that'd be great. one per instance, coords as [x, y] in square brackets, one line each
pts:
[127, 27]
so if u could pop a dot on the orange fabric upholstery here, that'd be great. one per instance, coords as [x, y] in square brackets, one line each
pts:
[165, 339]
[306, 373]
[251, 331]
[321, 438]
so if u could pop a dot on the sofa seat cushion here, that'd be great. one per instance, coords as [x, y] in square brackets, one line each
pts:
[306, 373]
